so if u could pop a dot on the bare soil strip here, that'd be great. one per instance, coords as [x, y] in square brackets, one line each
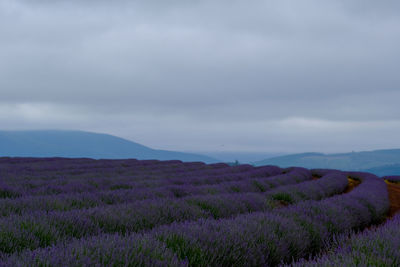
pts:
[352, 184]
[394, 197]
[314, 177]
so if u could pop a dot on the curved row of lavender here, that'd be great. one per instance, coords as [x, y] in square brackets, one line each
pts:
[69, 201]
[268, 238]
[252, 239]
[172, 213]
[113, 175]
[374, 247]
[40, 229]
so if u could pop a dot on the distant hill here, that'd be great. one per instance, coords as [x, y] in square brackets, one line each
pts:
[242, 157]
[368, 160]
[74, 144]
[386, 170]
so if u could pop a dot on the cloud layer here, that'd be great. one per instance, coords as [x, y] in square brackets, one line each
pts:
[270, 76]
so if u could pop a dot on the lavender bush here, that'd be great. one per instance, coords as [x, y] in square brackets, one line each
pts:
[104, 250]
[375, 247]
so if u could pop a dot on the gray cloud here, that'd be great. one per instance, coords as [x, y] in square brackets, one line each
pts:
[195, 75]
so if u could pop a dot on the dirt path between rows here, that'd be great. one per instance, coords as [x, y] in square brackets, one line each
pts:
[394, 197]
[352, 184]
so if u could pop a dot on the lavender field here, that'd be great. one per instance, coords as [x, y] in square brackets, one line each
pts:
[84, 212]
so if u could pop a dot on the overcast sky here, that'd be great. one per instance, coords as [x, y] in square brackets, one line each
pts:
[206, 75]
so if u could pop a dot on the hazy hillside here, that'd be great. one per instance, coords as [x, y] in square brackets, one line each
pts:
[82, 144]
[386, 170]
[345, 161]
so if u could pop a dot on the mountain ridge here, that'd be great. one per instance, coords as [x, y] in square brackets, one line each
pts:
[356, 161]
[77, 144]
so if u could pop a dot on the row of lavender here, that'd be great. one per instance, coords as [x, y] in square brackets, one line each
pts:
[46, 182]
[22, 168]
[265, 238]
[269, 238]
[378, 247]
[55, 187]
[41, 229]
[64, 202]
